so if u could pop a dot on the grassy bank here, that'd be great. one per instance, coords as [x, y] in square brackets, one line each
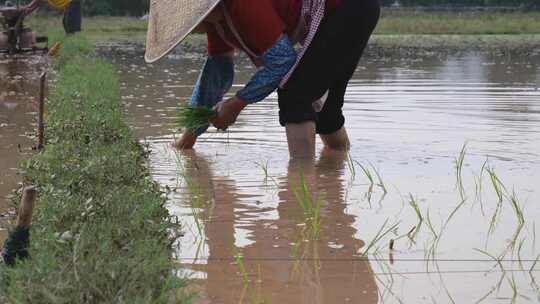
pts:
[410, 22]
[101, 232]
[397, 27]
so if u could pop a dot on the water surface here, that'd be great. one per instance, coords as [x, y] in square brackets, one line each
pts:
[408, 118]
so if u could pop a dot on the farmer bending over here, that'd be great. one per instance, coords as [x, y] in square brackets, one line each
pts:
[310, 80]
[71, 9]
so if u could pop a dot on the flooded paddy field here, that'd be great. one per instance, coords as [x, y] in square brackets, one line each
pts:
[408, 216]
[461, 222]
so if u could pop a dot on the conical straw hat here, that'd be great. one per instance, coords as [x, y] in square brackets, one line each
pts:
[170, 21]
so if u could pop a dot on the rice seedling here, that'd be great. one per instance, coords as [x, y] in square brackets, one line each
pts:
[414, 205]
[369, 176]
[459, 170]
[430, 225]
[519, 247]
[264, 168]
[497, 184]
[534, 238]
[534, 264]
[451, 216]
[519, 216]
[387, 272]
[431, 251]
[479, 186]
[311, 207]
[255, 292]
[241, 267]
[192, 118]
[499, 190]
[196, 199]
[381, 233]
[350, 164]
[513, 286]
[381, 182]
[498, 261]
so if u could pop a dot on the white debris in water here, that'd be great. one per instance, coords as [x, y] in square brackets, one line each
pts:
[335, 245]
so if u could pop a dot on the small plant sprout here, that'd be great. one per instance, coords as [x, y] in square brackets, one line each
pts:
[369, 176]
[479, 180]
[241, 267]
[499, 189]
[533, 266]
[350, 163]
[311, 206]
[497, 184]
[264, 168]
[519, 216]
[459, 170]
[192, 118]
[381, 182]
[383, 231]
[414, 205]
[513, 286]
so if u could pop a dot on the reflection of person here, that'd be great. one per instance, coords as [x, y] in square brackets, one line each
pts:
[71, 9]
[324, 271]
[332, 35]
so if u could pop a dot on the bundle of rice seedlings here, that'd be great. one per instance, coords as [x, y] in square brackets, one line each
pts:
[192, 118]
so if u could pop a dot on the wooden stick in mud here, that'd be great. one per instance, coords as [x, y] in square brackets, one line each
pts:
[41, 124]
[24, 219]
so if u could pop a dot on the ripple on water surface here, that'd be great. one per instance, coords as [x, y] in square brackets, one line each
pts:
[408, 119]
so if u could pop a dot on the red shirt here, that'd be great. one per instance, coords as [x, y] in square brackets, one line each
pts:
[259, 23]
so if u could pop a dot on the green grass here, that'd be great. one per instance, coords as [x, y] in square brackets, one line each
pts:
[397, 28]
[93, 184]
[402, 21]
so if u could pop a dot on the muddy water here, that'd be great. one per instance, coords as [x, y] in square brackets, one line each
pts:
[247, 239]
[19, 85]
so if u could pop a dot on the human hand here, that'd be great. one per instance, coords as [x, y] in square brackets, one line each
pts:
[186, 141]
[227, 112]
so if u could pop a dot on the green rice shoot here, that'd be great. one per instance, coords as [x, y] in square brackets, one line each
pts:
[192, 118]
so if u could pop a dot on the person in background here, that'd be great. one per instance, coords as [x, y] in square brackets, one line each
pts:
[71, 8]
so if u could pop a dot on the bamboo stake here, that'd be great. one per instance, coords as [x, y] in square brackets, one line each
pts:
[24, 219]
[41, 124]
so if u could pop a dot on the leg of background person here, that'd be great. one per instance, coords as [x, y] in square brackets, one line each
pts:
[73, 17]
[64, 21]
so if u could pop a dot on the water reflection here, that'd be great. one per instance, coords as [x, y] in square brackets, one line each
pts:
[18, 91]
[282, 266]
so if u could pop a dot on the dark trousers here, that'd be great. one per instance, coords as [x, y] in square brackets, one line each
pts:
[328, 65]
[73, 17]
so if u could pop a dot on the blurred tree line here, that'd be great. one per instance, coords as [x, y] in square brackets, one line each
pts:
[140, 7]
[478, 3]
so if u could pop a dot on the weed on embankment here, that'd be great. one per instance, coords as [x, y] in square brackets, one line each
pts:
[101, 231]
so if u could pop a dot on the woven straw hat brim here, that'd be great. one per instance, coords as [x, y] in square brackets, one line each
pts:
[170, 21]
